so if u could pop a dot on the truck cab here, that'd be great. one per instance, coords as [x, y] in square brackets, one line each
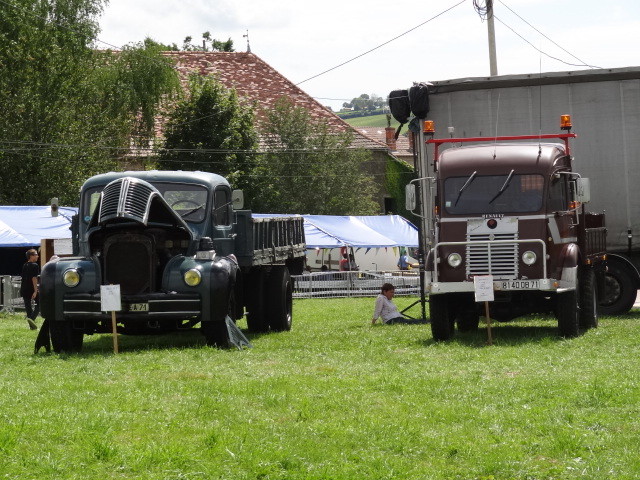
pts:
[512, 208]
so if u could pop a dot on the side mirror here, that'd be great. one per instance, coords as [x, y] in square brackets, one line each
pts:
[583, 190]
[237, 199]
[410, 197]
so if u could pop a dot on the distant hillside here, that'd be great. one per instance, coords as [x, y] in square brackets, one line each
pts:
[371, 121]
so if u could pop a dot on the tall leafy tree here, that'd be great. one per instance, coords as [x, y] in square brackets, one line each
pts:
[309, 169]
[210, 129]
[69, 110]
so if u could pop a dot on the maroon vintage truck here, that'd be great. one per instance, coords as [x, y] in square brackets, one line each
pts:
[512, 208]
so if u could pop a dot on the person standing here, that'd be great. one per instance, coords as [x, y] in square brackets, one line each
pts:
[29, 287]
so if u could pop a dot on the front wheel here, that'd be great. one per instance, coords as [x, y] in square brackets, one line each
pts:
[65, 338]
[588, 298]
[440, 314]
[568, 313]
[215, 334]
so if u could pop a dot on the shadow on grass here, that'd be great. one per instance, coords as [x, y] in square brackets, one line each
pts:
[504, 335]
[102, 343]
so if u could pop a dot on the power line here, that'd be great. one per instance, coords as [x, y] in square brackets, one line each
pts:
[382, 44]
[541, 51]
[545, 36]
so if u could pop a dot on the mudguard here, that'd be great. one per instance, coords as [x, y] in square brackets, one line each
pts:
[570, 257]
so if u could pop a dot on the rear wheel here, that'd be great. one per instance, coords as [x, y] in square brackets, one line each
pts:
[255, 298]
[619, 290]
[65, 338]
[280, 298]
[588, 298]
[442, 320]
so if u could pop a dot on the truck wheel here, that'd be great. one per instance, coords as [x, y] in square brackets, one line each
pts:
[619, 291]
[567, 312]
[442, 321]
[255, 297]
[588, 298]
[468, 321]
[215, 334]
[65, 338]
[280, 298]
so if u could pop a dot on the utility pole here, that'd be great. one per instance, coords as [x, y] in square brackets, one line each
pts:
[493, 62]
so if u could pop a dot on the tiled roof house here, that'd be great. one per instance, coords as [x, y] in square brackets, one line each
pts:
[258, 82]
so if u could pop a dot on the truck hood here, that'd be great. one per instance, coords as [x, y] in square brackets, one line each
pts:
[131, 199]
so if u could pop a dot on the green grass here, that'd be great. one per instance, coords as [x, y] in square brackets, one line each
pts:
[371, 121]
[335, 398]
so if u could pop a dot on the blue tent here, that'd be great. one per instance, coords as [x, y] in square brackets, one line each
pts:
[26, 226]
[379, 231]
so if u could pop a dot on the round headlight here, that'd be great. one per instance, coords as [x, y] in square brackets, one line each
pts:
[529, 257]
[192, 277]
[454, 260]
[71, 277]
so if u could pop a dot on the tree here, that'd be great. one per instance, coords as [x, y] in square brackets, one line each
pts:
[208, 44]
[365, 103]
[210, 129]
[309, 169]
[68, 110]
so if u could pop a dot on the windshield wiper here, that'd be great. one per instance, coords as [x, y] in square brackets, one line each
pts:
[189, 212]
[466, 184]
[504, 187]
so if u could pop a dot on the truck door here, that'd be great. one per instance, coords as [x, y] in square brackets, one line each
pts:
[562, 221]
[221, 220]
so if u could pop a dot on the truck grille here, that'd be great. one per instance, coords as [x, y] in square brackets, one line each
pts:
[126, 198]
[497, 259]
[129, 262]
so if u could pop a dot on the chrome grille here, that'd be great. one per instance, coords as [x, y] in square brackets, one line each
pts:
[125, 198]
[497, 259]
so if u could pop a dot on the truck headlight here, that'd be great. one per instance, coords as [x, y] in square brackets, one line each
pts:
[192, 277]
[529, 257]
[454, 259]
[71, 277]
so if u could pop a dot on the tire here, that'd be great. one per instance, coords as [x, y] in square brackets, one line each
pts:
[280, 299]
[255, 297]
[468, 321]
[588, 298]
[568, 313]
[215, 334]
[619, 290]
[65, 338]
[442, 321]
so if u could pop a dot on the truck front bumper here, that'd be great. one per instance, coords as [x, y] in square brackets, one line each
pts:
[154, 306]
[544, 284]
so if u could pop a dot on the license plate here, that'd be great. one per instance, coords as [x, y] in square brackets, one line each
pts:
[519, 285]
[139, 307]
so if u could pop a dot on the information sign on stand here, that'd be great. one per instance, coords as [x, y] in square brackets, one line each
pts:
[110, 301]
[483, 287]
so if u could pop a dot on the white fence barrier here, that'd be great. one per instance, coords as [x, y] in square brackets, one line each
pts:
[11, 298]
[353, 284]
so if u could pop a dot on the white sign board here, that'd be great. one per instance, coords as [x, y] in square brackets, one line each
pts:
[110, 298]
[483, 287]
[62, 246]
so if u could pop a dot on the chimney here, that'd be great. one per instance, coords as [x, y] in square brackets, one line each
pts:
[390, 137]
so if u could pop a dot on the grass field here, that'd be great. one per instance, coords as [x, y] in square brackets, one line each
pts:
[335, 398]
[372, 121]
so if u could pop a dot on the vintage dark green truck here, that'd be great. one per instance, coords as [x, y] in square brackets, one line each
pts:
[182, 255]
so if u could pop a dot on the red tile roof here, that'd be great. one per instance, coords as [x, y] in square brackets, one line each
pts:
[255, 80]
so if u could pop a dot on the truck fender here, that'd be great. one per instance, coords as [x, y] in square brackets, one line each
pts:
[222, 279]
[569, 258]
[52, 289]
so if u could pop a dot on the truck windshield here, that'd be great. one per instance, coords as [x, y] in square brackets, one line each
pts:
[187, 200]
[518, 193]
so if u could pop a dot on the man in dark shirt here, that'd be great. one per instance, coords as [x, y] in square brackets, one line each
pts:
[29, 287]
